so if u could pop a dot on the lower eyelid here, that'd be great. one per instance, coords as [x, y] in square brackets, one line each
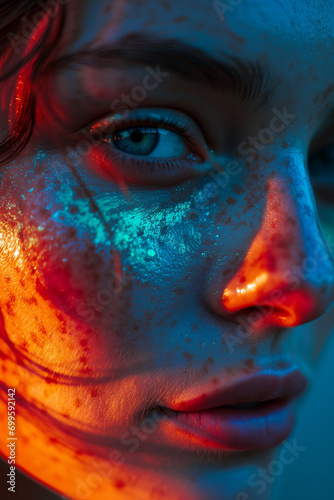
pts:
[112, 164]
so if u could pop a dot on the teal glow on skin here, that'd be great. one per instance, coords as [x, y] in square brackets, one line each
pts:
[114, 352]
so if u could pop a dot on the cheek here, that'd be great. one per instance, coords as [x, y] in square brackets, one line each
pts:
[52, 265]
[70, 298]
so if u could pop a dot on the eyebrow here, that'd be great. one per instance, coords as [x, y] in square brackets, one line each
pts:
[248, 81]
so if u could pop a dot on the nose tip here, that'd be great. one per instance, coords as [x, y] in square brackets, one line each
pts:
[274, 298]
[281, 273]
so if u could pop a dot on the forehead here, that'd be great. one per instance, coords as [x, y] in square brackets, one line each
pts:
[248, 26]
[293, 39]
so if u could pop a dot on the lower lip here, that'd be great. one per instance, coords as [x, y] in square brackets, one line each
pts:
[264, 426]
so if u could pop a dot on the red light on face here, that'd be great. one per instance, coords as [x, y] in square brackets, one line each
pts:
[265, 278]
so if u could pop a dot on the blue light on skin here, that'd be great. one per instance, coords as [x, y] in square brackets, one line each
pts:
[163, 336]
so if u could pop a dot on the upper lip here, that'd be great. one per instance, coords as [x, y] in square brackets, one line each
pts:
[265, 385]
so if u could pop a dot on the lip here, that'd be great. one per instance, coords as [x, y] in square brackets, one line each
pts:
[209, 420]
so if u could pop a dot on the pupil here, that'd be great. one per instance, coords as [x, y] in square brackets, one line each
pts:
[136, 136]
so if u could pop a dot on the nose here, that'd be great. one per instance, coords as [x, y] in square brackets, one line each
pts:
[287, 274]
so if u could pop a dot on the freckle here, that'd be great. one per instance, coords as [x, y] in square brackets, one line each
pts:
[83, 342]
[327, 106]
[71, 232]
[188, 339]
[189, 357]
[249, 362]
[73, 209]
[94, 392]
[231, 201]
[45, 212]
[268, 159]
[242, 279]
[180, 19]
[77, 402]
[327, 92]
[34, 338]
[42, 330]
[9, 309]
[83, 359]
[166, 5]
[119, 484]
[238, 189]
[107, 8]
[205, 368]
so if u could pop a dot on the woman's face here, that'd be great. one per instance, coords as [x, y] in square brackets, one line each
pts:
[161, 236]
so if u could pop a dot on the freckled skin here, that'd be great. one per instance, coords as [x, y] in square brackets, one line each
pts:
[114, 305]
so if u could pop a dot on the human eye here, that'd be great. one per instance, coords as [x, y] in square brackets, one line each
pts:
[148, 146]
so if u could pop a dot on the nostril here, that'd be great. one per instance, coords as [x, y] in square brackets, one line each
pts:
[281, 307]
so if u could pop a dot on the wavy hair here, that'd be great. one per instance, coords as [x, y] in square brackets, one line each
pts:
[30, 31]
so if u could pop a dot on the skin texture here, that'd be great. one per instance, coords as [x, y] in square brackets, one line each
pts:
[101, 361]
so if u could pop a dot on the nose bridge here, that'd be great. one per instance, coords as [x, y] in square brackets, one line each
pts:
[288, 264]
